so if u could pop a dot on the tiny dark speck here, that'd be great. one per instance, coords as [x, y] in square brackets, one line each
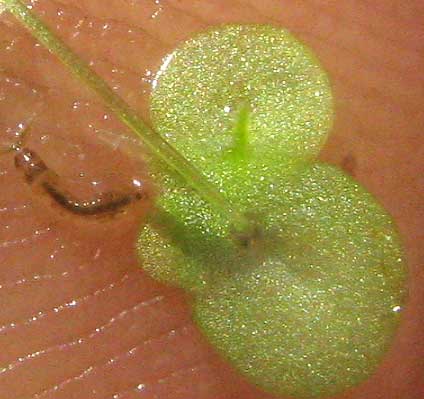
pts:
[349, 164]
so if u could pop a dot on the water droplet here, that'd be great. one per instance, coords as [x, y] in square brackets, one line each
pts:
[397, 309]
[137, 183]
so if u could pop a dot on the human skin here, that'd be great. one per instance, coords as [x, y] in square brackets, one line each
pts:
[75, 307]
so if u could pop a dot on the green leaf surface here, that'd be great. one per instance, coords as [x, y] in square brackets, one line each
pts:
[307, 304]
[205, 81]
[309, 311]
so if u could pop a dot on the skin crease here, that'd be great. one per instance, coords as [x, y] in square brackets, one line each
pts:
[83, 319]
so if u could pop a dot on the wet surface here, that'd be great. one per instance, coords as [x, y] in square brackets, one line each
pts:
[78, 318]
